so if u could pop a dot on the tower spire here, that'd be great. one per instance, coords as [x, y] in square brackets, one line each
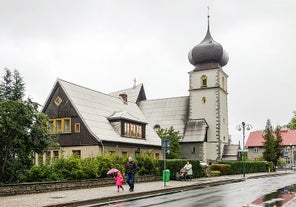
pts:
[208, 35]
[208, 50]
[135, 83]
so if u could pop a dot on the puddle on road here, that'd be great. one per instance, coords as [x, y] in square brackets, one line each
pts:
[281, 197]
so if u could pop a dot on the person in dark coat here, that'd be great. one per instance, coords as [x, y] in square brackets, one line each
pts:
[130, 170]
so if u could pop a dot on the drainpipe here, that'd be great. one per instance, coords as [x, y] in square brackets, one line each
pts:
[103, 147]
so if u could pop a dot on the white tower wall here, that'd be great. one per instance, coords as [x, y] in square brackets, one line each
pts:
[210, 102]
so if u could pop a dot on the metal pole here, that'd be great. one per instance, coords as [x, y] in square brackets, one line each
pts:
[291, 156]
[243, 124]
[243, 154]
[164, 164]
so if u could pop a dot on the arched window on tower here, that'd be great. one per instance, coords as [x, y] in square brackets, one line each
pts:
[203, 99]
[203, 81]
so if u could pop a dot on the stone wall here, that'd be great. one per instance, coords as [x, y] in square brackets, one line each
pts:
[42, 187]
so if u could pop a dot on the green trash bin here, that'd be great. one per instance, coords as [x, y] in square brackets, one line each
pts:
[166, 175]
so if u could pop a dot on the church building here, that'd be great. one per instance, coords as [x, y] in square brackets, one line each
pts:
[89, 123]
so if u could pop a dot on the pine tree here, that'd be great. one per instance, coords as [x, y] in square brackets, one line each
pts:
[278, 144]
[6, 85]
[272, 143]
[18, 86]
[12, 86]
[269, 143]
[23, 129]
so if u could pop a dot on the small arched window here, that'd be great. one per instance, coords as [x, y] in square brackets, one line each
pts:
[203, 81]
[203, 99]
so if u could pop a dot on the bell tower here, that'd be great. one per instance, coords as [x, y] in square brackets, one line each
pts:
[208, 93]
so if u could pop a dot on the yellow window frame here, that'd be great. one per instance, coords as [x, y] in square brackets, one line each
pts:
[54, 124]
[77, 127]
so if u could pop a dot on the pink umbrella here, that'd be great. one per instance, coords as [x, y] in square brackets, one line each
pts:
[111, 171]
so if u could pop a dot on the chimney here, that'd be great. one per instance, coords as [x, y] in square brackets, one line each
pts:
[123, 97]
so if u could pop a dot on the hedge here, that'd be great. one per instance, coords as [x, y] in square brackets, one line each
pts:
[236, 167]
[74, 168]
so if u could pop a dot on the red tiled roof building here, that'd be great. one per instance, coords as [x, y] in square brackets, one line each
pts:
[255, 144]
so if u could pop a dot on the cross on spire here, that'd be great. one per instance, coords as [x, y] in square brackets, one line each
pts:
[135, 83]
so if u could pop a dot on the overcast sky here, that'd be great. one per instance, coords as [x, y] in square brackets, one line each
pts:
[104, 45]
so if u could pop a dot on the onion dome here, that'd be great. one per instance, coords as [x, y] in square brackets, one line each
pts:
[208, 51]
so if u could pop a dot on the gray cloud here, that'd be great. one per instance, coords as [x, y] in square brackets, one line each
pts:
[104, 45]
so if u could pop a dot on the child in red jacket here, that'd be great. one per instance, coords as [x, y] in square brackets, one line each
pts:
[119, 181]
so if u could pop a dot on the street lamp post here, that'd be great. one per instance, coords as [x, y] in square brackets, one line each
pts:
[291, 156]
[243, 127]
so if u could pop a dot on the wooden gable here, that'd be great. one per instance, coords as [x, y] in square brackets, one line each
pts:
[59, 106]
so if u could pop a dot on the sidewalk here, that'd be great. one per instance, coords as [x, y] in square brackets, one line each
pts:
[104, 194]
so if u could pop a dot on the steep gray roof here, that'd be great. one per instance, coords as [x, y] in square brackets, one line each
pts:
[195, 131]
[94, 109]
[134, 94]
[167, 112]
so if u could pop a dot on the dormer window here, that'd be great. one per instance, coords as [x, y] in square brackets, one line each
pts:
[127, 125]
[133, 130]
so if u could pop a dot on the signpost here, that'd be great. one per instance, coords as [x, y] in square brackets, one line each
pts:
[244, 152]
[286, 155]
[165, 148]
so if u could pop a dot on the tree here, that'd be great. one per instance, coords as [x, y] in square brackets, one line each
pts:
[6, 85]
[174, 138]
[23, 130]
[292, 123]
[269, 144]
[278, 144]
[12, 87]
[272, 143]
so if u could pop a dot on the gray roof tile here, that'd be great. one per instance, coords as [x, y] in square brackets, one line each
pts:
[167, 112]
[95, 107]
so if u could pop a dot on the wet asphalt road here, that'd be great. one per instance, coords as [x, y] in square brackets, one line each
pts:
[229, 195]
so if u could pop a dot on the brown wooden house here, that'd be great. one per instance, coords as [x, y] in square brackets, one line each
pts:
[89, 123]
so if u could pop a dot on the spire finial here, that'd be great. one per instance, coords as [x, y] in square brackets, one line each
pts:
[208, 35]
[135, 83]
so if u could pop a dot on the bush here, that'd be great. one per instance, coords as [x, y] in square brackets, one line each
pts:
[68, 169]
[147, 164]
[224, 169]
[108, 161]
[39, 173]
[90, 168]
[215, 173]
